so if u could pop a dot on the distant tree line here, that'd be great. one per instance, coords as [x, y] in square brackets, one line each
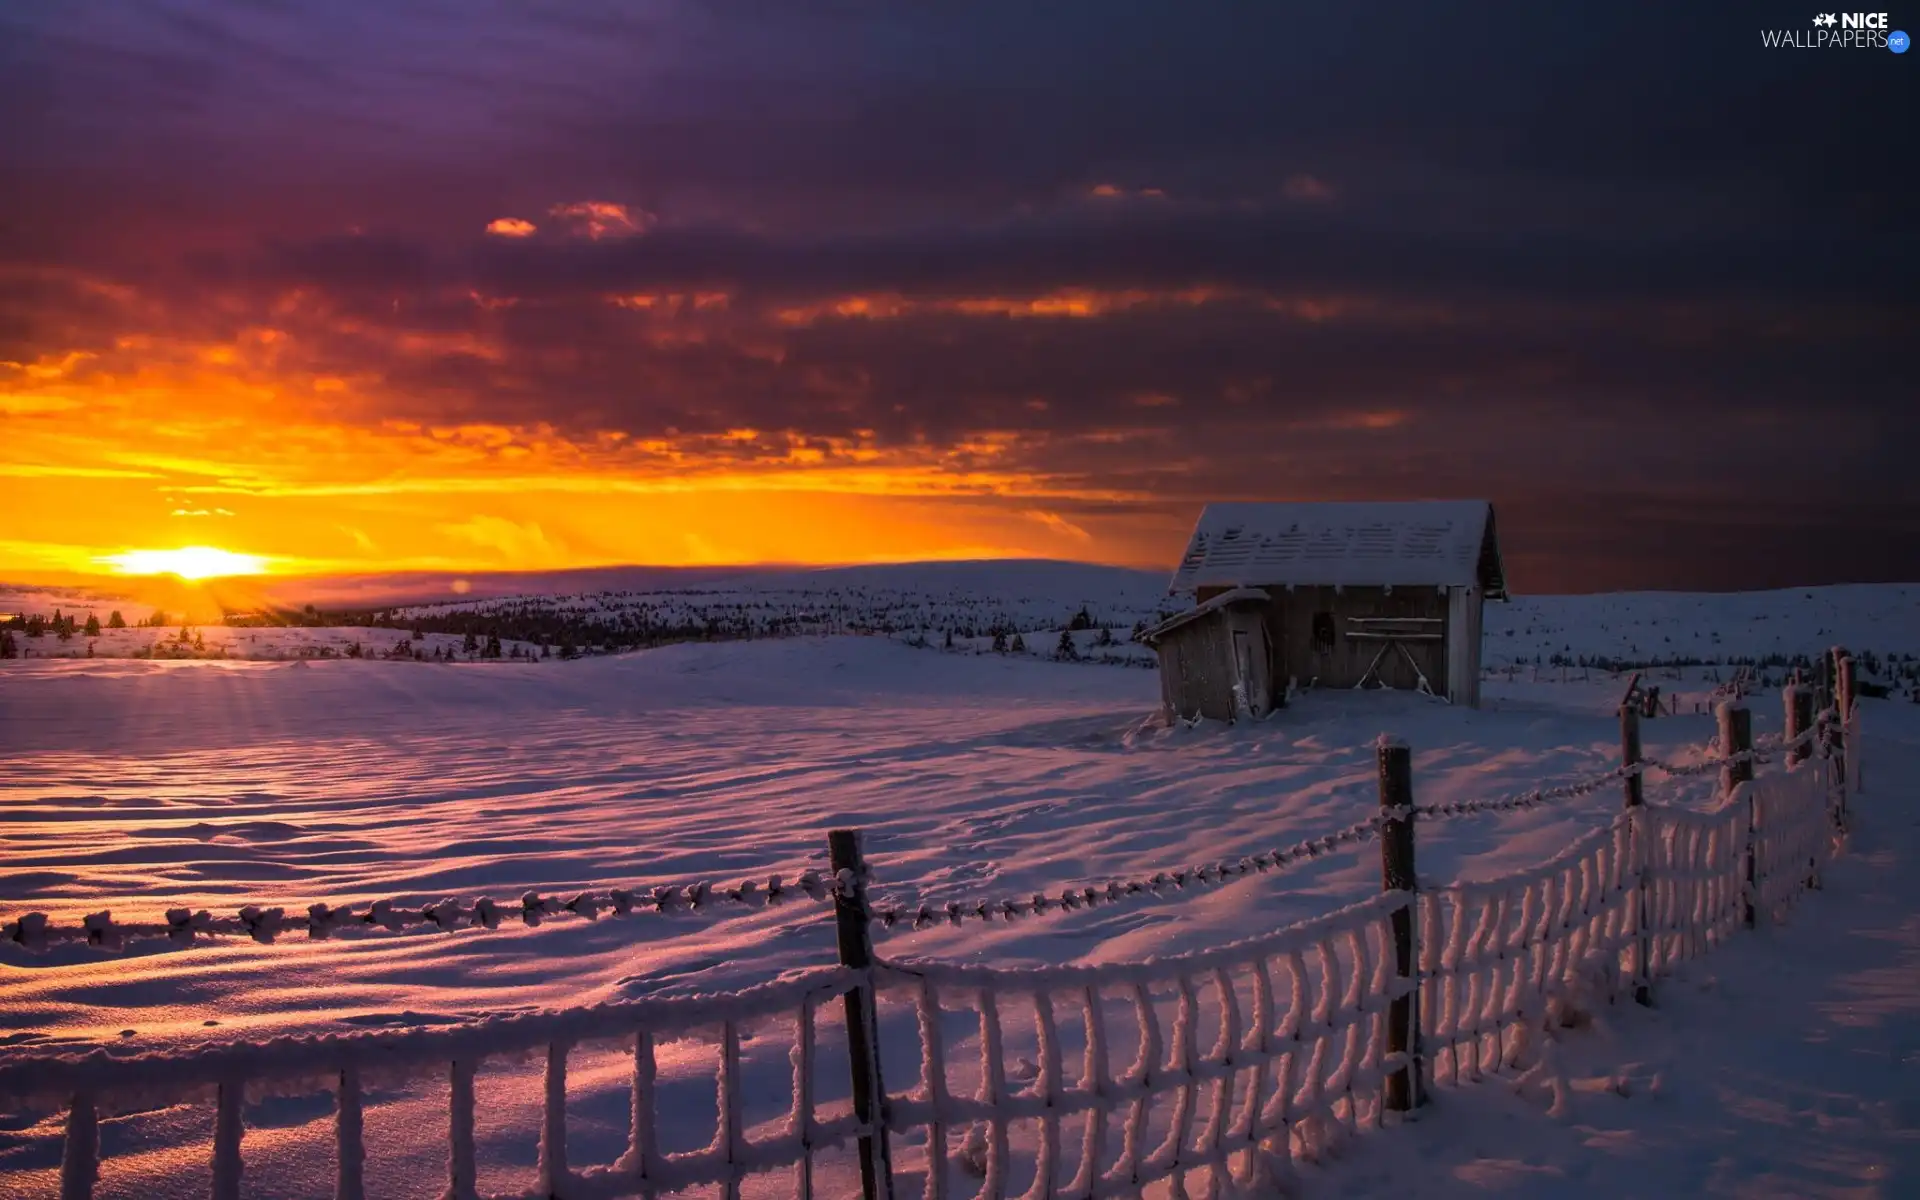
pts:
[1879, 675]
[568, 627]
[17, 629]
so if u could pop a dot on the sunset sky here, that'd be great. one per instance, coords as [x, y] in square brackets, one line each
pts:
[468, 286]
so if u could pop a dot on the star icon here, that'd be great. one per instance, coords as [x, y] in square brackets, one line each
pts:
[1826, 19]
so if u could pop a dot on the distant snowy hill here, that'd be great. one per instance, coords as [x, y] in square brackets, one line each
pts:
[950, 591]
[972, 603]
[1712, 627]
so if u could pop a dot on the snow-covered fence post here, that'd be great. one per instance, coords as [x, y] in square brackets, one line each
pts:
[80, 1160]
[1798, 702]
[1836, 740]
[1636, 796]
[1845, 696]
[350, 1145]
[462, 1172]
[1797, 699]
[1736, 740]
[1630, 754]
[228, 1128]
[1404, 1090]
[863, 1018]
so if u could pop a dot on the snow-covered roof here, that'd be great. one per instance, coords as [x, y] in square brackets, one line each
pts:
[1445, 543]
[1245, 595]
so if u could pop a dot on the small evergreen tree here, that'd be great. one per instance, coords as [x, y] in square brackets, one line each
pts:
[1018, 645]
[999, 641]
[36, 626]
[493, 645]
[93, 626]
[8, 647]
[62, 629]
[115, 620]
[469, 644]
[1066, 651]
[949, 645]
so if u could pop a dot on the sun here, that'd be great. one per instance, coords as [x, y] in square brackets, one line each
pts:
[189, 562]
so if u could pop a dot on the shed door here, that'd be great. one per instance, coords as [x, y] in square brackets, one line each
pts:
[1249, 662]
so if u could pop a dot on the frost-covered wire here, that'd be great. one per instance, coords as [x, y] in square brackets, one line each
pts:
[1763, 749]
[1185, 880]
[1531, 798]
[265, 924]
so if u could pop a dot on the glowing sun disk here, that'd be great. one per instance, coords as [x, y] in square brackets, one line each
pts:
[188, 562]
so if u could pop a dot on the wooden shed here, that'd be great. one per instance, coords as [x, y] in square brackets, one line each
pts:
[1292, 596]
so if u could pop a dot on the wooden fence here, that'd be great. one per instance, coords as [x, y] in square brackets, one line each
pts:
[1223, 1067]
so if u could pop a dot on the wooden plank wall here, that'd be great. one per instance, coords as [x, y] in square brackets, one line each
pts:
[1464, 615]
[1289, 621]
[1197, 669]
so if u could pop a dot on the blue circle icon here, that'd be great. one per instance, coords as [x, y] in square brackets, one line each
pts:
[1898, 41]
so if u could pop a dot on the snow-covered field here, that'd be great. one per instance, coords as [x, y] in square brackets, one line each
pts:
[153, 784]
[142, 785]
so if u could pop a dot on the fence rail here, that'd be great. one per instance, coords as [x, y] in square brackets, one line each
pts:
[1199, 1072]
[266, 923]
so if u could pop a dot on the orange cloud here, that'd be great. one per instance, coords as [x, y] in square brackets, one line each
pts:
[1113, 191]
[1064, 303]
[1059, 524]
[520, 542]
[1308, 189]
[511, 227]
[1380, 420]
[599, 218]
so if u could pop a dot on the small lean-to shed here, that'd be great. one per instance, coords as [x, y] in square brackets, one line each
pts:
[1213, 657]
[1347, 595]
